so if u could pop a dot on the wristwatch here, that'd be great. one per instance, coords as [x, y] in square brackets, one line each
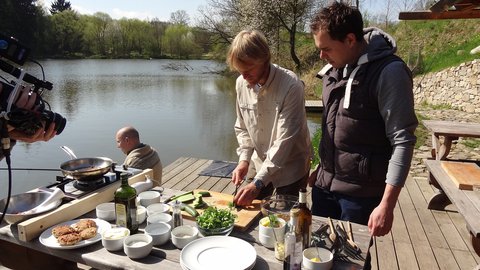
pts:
[258, 184]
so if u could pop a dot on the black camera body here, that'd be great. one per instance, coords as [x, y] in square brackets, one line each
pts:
[23, 120]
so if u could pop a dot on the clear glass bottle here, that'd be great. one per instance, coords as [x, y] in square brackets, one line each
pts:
[304, 223]
[293, 244]
[177, 214]
[125, 205]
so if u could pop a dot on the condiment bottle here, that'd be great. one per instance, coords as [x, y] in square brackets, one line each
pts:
[293, 244]
[177, 214]
[125, 205]
[304, 223]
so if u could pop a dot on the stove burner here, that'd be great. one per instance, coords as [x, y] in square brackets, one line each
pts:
[89, 185]
[75, 189]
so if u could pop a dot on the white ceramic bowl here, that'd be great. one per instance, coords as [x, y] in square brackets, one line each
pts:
[266, 233]
[106, 211]
[138, 245]
[160, 217]
[149, 197]
[160, 232]
[325, 262]
[141, 214]
[112, 239]
[182, 235]
[157, 208]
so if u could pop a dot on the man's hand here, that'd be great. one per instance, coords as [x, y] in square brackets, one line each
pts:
[381, 218]
[26, 100]
[380, 221]
[246, 195]
[40, 135]
[239, 173]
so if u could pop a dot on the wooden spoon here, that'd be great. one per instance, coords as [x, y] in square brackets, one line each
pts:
[333, 235]
[350, 236]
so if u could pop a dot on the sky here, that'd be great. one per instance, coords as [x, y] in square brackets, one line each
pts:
[139, 9]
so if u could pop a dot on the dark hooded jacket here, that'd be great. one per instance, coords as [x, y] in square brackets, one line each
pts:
[358, 137]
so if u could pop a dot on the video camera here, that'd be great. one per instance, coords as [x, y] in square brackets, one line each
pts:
[23, 120]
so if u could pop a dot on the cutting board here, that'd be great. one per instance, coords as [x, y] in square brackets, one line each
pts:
[245, 215]
[463, 174]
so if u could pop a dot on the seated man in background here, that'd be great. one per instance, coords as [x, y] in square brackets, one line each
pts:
[139, 155]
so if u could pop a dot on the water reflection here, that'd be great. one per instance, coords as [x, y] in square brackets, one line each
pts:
[181, 108]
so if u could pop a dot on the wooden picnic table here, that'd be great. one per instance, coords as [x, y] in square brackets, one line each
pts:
[450, 131]
[182, 175]
[466, 201]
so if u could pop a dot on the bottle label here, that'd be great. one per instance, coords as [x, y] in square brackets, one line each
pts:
[121, 214]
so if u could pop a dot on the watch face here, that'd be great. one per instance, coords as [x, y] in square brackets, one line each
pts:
[258, 184]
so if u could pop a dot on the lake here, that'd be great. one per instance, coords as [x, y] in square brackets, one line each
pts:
[181, 108]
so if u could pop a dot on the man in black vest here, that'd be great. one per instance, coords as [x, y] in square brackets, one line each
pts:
[368, 121]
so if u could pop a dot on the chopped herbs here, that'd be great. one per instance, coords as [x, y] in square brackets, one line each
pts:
[215, 218]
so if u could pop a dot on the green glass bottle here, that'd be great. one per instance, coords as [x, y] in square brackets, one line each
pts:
[125, 205]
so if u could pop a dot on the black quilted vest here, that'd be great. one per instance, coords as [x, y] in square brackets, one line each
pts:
[354, 150]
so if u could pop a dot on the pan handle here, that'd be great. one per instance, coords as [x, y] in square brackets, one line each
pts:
[69, 152]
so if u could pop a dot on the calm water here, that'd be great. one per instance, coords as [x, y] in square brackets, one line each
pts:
[181, 108]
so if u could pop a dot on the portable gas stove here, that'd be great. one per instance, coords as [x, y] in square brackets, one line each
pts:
[75, 189]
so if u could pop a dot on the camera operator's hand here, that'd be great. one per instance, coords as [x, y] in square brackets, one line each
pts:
[40, 135]
[26, 100]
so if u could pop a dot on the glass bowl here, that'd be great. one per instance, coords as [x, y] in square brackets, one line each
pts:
[279, 205]
[219, 231]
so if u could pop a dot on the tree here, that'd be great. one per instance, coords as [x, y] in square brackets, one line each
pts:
[96, 32]
[18, 18]
[179, 17]
[272, 17]
[59, 6]
[66, 33]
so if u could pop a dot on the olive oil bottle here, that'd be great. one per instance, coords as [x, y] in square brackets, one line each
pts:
[304, 223]
[125, 205]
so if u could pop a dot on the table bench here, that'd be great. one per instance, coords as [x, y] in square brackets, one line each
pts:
[466, 201]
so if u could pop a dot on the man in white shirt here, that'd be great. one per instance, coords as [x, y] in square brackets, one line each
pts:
[271, 126]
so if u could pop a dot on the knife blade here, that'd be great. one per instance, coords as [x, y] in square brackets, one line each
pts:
[235, 194]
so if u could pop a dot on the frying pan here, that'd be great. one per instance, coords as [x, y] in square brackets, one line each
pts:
[86, 169]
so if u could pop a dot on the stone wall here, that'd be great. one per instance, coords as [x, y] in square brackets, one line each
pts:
[458, 87]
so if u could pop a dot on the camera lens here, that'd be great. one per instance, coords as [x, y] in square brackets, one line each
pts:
[53, 117]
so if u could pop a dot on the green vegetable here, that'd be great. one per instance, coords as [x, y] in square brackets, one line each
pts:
[204, 193]
[214, 218]
[186, 198]
[198, 202]
[274, 221]
[190, 210]
[178, 196]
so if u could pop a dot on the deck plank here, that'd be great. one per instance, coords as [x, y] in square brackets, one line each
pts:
[401, 240]
[423, 252]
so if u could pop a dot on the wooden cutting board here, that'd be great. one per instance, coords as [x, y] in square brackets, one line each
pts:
[463, 174]
[245, 215]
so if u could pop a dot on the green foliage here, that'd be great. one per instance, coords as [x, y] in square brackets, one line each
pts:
[421, 132]
[438, 44]
[472, 143]
[315, 143]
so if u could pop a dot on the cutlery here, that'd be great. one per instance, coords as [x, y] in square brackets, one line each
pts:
[350, 236]
[333, 234]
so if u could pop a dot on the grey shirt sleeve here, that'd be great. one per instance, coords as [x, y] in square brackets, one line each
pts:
[396, 105]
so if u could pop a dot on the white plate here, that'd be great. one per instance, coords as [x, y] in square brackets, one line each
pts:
[218, 252]
[48, 240]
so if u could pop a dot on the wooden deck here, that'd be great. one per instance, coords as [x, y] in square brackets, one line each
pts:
[420, 238]
[313, 105]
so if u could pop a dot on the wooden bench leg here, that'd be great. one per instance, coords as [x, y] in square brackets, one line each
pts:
[439, 200]
[475, 243]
